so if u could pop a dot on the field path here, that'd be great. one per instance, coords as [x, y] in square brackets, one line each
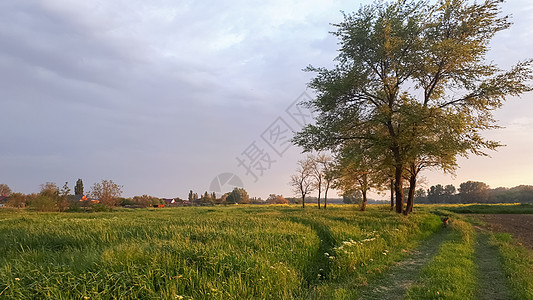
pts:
[492, 281]
[319, 263]
[398, 278]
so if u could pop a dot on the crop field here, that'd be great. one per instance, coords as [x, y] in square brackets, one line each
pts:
[247, 252]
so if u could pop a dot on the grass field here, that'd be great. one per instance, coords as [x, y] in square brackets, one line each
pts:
[240, 252]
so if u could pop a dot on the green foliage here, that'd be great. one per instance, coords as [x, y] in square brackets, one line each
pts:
[412, 88]
[471, 191]
[17, 200]
[276, 199]
[238, 195]
[517, 262]
[107, 192]
[237, 252]
[44, 203]
[4, 190]
[48, 199]
[78, 189]
[144, 201]
[352, 197]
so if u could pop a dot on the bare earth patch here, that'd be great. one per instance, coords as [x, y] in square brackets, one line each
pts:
[520, 226]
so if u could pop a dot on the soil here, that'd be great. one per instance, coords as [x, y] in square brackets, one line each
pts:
[520, 226]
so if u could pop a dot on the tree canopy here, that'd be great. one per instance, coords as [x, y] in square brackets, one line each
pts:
[412, 88]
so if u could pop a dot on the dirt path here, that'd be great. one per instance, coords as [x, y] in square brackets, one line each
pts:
[492, 281]
[399, 277]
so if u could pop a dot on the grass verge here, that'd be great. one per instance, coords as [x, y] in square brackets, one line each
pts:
[518, 262]
[452, 272]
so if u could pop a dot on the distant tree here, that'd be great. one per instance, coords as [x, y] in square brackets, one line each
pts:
[47, 199]
[78, 189]
[144, 200]
[420, 194]
[4, 190]
[358, 170]
[321, 170]
[62, 201]
[293, 200]
[271, 198]
[191, 196]
[474, 191]
[107, 192]
[255, 200]
[435, 193]
[276, 199]
[17, 200]
[206, 199]
[352, 197]
[302, 181]
[238, 195]
[449, 189]
[49, 188]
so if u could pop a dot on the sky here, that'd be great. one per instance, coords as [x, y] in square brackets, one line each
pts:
[163, 97]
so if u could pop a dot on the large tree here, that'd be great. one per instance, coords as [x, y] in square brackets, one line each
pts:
[412, 82]
[4, 190]
[238, 195]
[107, 192]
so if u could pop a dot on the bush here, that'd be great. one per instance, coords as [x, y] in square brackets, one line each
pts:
[44, 203]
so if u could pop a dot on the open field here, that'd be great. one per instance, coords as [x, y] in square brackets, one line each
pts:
[249, 252]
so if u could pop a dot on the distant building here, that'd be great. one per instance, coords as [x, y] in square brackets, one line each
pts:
[168, 201]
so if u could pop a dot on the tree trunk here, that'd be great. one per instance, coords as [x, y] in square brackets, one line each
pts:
[363, 203]
[303, 200]
[411, 195]
[319, 194]
[398, 188]
[392, 194]
[326, 196]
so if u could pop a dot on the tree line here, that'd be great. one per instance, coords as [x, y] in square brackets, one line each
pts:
[475, 192]
[106, 195]
[103, 195]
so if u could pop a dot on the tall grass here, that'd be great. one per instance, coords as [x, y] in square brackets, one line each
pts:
[517, 262]
[271, 252]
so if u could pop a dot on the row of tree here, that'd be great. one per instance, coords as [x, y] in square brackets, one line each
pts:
[411, 90]
[315, 172]
[475, 192]
[107, 194]
[52, 198]
[236, 196]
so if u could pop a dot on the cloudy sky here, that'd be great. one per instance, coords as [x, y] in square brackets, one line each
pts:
[165, 96]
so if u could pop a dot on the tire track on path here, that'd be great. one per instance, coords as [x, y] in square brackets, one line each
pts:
[399, 277]
[492, 282]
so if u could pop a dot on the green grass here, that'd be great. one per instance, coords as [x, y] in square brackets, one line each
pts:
[244, 252]
[490, 208]
[518, 262]
[452, 272]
